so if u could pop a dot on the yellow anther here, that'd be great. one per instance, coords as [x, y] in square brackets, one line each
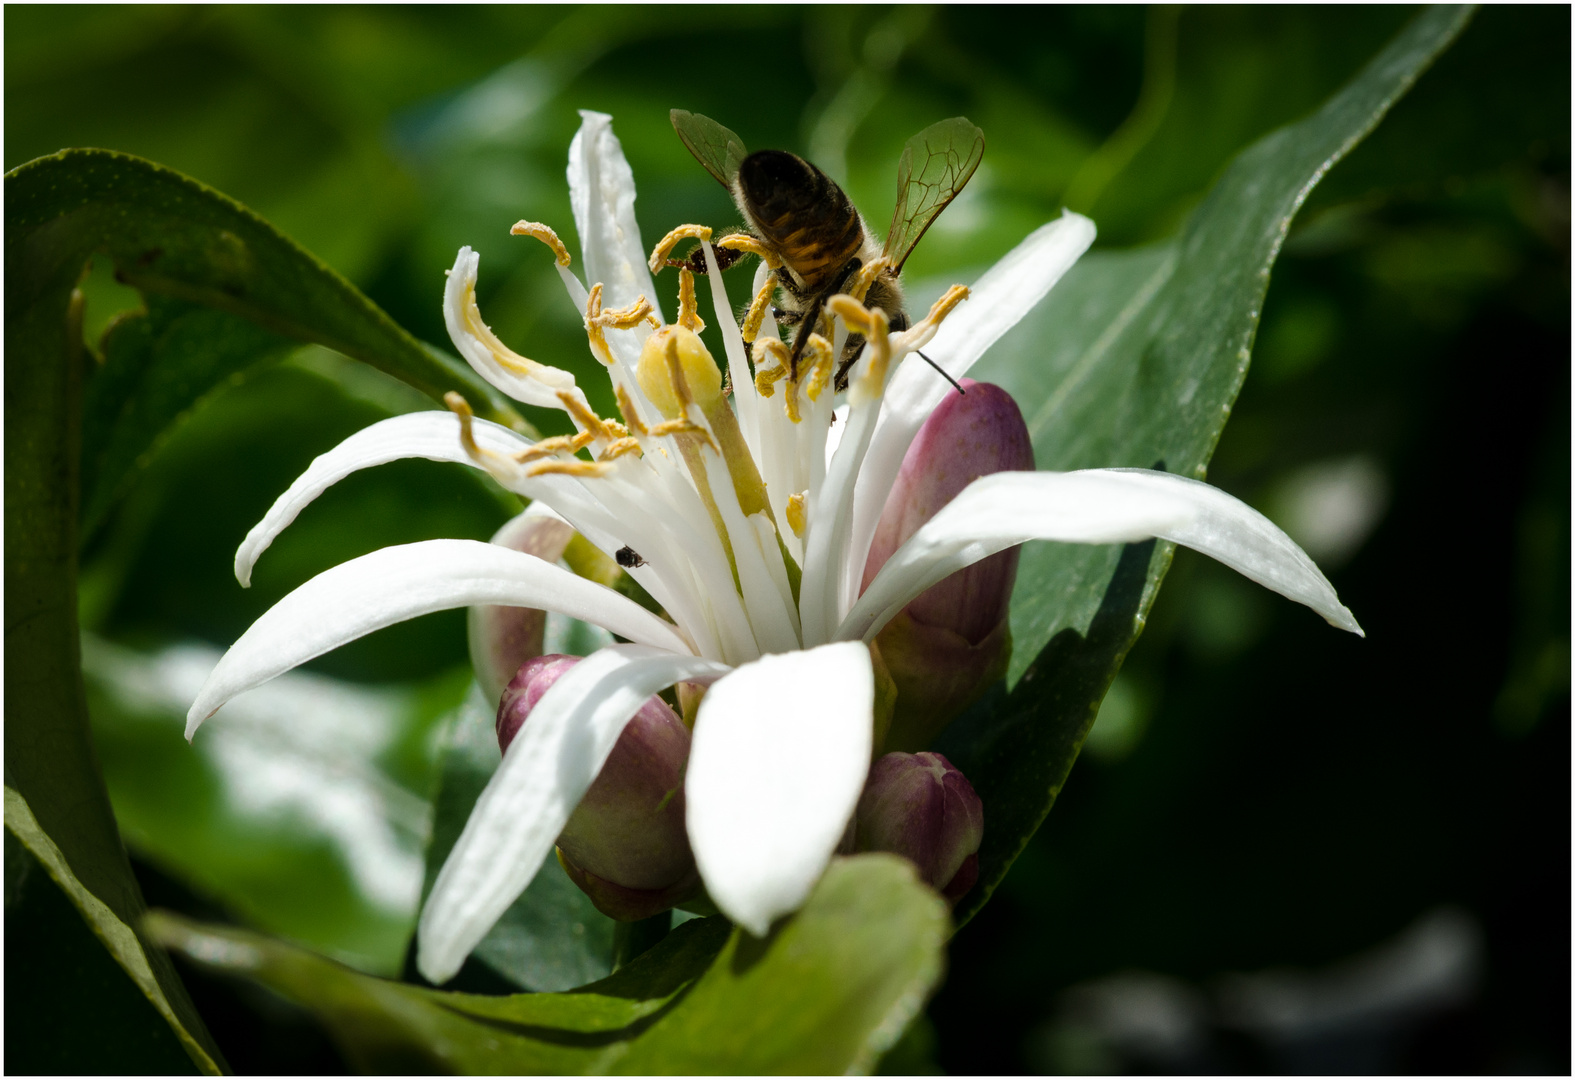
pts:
[757, 311]
[688, 309]
[860, 286]
[631, 415]
[624, 318]
[798, 513]
[872, 383]
[817, 355]
[594, 425]
[598, 319]
[670, 241]
[790, 401]
[568, 468]
[557, 444]
[766, 377]
[676, 370]
[750, 246]
[943, 307]
[682, 427]
[618, 448]
[536, 230]
[853, 312]
[467, 438]
[595, 333]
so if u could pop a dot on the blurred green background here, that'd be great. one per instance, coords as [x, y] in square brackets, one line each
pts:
[1282, 851]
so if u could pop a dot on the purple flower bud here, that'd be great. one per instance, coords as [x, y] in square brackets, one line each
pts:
[921, 807]
[503, 638]
[625, 844]
[953, 640]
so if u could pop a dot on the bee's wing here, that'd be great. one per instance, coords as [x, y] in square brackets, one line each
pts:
[713, 146]
[935, 165]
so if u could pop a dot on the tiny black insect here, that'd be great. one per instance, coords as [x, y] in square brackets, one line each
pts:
[628, 558]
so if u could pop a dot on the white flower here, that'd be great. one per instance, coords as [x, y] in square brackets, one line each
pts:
[753, 528]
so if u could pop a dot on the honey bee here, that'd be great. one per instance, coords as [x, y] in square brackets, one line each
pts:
[800, 214]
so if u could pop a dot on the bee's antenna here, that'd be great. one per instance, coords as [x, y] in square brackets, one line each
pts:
[942, 370]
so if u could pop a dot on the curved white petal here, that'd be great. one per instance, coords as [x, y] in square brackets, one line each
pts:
[601, 190]
[526, 804]
[519, 377]
[399, 583]
[1094, 506]
[1008, 291]
[430, 435]
[781, 750]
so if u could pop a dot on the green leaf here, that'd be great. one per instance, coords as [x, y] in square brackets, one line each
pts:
[81, 1013]
[55, 800]
[827, 992]
[1135, 360]
[302, 809]
[552, 937]
[157, 366]
[170, 236]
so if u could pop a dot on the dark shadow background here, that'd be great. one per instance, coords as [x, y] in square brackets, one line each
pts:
[1285, 850]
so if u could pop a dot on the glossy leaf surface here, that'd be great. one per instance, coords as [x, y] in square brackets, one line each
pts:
[827, 992]
[1135, 360]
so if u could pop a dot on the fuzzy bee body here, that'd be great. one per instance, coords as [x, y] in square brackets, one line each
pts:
[808, 222]
[803, 215]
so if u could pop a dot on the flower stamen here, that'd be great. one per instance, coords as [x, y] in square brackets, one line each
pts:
[798, 512]
[873, 324]
[576, 468]
[557, 444]
[670, 241]
[757, 311]
[921, 332]
[598, 320]
[619, 447]
[749, 245]
[859, 287]
[593, 425]
[767, 377]
[688, 309]
[537, 231]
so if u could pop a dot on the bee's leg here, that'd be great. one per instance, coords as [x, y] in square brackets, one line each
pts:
[725, 258]
[784, 317]
[791, 287]
[850, 353]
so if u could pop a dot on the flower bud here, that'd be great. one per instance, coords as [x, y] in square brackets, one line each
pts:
[625, 844]
[953, 640]
[921, 807]
[503, 638]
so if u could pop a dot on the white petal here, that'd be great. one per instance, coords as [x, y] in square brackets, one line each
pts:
[1095, 506]
[781, 750]
[601, 189]
[526, 804]
[519, 377]
[399, 583]
[1007, 292]
[430, 435]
